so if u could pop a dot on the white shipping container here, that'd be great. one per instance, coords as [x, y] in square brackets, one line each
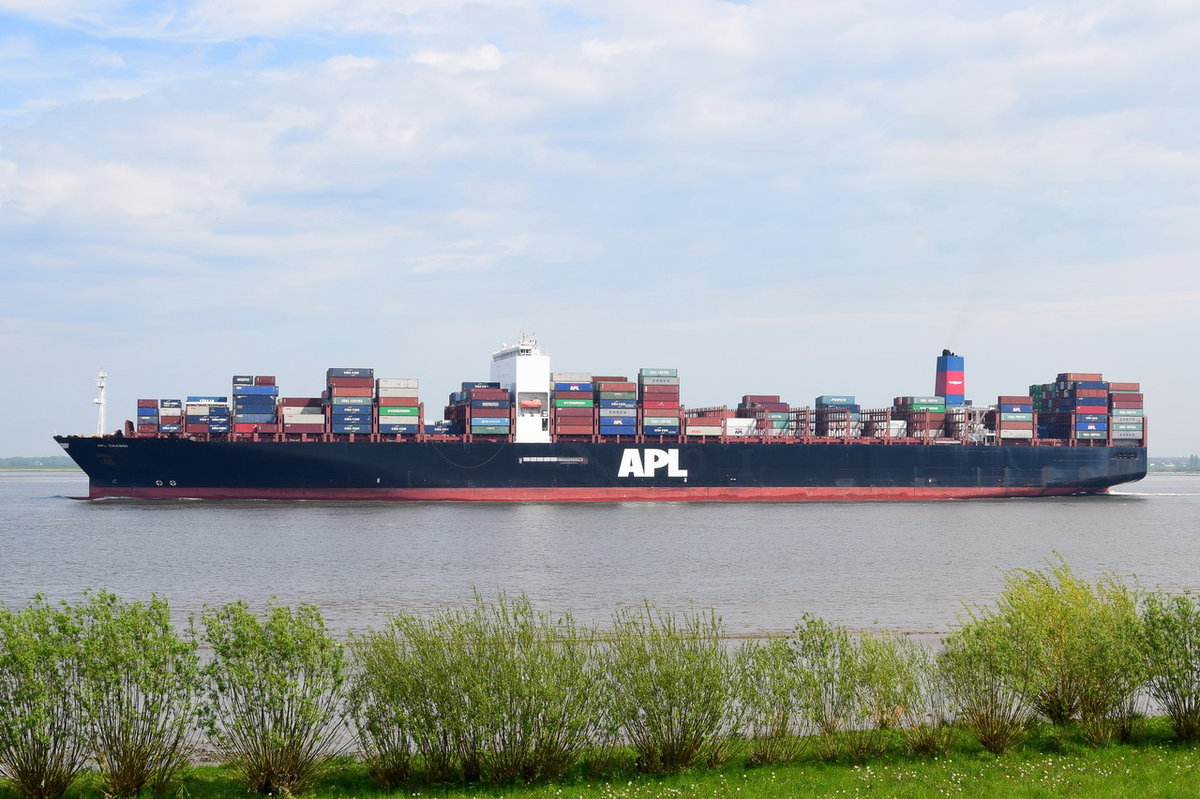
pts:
[1128, 434]
[1015, 434]
[301, 410]
[703, 430]
[398, 382]
[739, 427]
[570, 377]
[399, 392]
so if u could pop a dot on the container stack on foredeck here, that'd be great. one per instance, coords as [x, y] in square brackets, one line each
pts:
[616, 406]
[255, 398]
[659, 400]
[573, 396]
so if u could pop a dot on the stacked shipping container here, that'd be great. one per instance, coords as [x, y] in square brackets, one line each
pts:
[254, 404]
[658, 398]
[398, 406]
[481, 409]
[616, 406]
[572, 397]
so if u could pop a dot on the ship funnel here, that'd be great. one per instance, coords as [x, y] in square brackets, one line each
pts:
[950, 382]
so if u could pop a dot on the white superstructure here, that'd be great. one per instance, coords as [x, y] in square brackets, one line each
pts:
[524, 370]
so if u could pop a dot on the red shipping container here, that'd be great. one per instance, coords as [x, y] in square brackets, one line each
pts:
[301, 402]
[350, 382]
[574, 430]
[660, 390]
[1089, 392]
[304, 428]
[487, 393]
[1129, 397]
[616, 386]
[1116, 403]
[611, 379]
[399, 402]
[170, 419]
[147, 428]
[352, 391]
[147, 403]
[195, 428]
[1075, 377]
[749, 399]
[573, 413]
[1122, 387]
[1014, 425]
[659, 404]
[264, 380]
[1005, 399]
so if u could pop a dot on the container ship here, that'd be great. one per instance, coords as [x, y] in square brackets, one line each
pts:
[533, 434]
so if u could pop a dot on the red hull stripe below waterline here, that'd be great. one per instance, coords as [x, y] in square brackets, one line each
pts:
[607, 494]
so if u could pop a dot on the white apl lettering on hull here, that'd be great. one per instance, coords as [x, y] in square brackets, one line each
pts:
[638, 463]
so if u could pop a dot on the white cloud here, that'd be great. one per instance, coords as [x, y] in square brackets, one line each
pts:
[486, 58]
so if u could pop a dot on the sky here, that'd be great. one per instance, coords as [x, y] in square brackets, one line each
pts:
[777, 196]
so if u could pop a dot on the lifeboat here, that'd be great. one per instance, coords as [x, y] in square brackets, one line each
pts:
[530, 404]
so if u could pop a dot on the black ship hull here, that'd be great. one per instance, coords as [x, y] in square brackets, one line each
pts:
[591, 471]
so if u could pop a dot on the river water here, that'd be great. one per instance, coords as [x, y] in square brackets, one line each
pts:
[907, 566]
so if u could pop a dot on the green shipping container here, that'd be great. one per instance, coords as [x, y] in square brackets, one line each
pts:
[658, 372]
[574, 403]
[660, 421]
[931, 408]
[1016, 417]
[616, 394]
[489, 429]
[1091, 434]
[1127, 411]
[1127, 426]
[386, 410]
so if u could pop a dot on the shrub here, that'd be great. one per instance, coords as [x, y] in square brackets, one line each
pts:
[984, 674]
[1077, 644]
[1171, 637]
[827, 661]
[508, 692]
[673, 687]
[927, 723]
[42, 714]
[272, 694]
[770, 694]
[140, 680]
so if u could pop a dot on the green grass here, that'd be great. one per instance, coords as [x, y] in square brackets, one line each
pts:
[1052, 763]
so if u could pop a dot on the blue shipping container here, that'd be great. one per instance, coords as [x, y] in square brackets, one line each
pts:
[169, 428]
[446, 429]
[147, 412]
[489, 421]
[661, 430]
[1016, 409]
[223, 427]
[208, 399]
[351, 428]
[499, 404]
[170, 403]
[397, 428]
[469, 386]
[243, 380]
[349, 372]
[1091, 426]
[255, 418]
[246, 391]
[587, 387]
[610, 430]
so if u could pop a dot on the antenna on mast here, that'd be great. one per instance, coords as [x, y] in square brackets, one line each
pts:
[100, 400]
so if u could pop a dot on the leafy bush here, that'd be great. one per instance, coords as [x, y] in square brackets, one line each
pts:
[830, 668]
[673, 687]
[140, 680]
[927, 722]
[42, 714]
[1171, 637]
[770, 694]
[984, 672]
[1077, 644]
[507, 692]
[272, 694]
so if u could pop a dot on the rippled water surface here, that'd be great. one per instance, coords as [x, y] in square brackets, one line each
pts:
[905, 566]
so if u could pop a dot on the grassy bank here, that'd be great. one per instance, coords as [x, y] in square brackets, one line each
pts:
[1049, 764]
[1040, 694]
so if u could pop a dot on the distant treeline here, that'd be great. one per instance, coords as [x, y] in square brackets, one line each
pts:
[47, 462]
